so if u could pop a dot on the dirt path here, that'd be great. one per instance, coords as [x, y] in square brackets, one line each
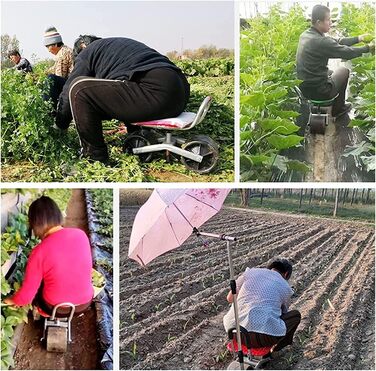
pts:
[171, 311]
[82, 353]
[325, 153]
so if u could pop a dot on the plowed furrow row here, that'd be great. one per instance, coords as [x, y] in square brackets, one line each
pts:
[188, 265]
[337, 335]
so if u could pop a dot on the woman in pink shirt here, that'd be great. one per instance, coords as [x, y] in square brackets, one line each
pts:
[59, 267]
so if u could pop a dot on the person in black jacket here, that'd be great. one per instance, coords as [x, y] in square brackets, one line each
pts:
[118, 78]
[21, 64]
[315, 49]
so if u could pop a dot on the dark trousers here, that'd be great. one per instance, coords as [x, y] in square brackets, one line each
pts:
[41, 303]
[291, 319]
[55, 87]
[336, 84]
[149, 95]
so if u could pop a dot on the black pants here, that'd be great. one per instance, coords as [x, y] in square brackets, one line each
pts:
[291, 319]
[153, 94]
[55, 87]
[337, 84]
[41, 303]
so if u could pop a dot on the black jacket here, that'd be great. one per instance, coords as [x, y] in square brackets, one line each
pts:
[315, 49]
[113, 58]
[23, 65]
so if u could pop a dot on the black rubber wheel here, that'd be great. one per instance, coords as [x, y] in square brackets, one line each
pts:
[139, 139]
[204, 146]
[317, 124]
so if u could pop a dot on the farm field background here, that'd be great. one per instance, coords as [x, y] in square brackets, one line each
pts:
[33, 151]
[171, 312]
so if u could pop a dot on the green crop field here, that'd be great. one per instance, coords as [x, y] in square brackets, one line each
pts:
[32, 151]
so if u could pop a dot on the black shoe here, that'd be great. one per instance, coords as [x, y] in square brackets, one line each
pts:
[345, 109]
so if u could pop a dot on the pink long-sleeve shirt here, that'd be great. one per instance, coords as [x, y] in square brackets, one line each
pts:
[63, 262]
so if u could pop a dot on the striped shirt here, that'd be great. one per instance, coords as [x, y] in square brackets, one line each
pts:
[263, 296]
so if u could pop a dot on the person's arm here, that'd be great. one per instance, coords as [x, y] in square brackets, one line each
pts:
[32, 280]
[239, 284]
[332, 49]
[349, 40]
[22, 64]
[64, 114]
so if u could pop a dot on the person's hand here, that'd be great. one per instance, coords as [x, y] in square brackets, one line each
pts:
[8, 301]
[372, 47]
[367, 38]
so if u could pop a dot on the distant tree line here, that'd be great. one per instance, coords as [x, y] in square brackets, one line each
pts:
[204, 52]
[8, 43]
[339, 197]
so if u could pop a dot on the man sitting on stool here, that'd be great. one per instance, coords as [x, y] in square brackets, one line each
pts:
[263, 301]
[314, 51]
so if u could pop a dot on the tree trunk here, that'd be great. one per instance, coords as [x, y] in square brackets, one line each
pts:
[336, 203]
[301, 198]
[244, 195]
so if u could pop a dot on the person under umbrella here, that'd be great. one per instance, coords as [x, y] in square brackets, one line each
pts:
[263, 300]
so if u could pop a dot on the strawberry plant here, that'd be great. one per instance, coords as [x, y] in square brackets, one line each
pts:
[14, 239]
[268, 105]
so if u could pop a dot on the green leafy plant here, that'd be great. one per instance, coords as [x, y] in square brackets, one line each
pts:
[268, 105]
[14, 239]
[33, 151]
[358, 19]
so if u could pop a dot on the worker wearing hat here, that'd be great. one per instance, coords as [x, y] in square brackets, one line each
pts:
[63, 66]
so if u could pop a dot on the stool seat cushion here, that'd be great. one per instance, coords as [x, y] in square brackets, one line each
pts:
[182, 121]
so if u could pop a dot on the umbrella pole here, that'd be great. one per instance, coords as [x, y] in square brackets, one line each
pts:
[235, 304]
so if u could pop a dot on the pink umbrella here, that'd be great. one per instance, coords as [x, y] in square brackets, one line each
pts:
[168, 218]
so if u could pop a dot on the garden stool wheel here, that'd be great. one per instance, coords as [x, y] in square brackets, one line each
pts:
[57, 339]
[204, 146]
[318, 123]
[139, 139]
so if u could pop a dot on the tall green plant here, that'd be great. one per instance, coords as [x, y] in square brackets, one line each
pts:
[356, 20]
[267, 103]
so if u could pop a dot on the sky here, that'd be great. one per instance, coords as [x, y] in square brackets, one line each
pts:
[162, 25]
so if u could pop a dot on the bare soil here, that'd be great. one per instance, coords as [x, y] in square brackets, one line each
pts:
[82, 353]
[171, 311]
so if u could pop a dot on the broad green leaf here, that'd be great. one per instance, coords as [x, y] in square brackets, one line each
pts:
[298, 166]
[254, 100]
[279, 125]
[284, 142]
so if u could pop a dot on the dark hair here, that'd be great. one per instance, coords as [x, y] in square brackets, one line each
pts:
[282, 266]
[83, 39]
[44, 214]
[318, 13]
[13, 52]
[60, 44]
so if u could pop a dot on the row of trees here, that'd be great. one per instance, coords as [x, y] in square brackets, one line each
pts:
[338, 196]
[204, 52]
[8, 43]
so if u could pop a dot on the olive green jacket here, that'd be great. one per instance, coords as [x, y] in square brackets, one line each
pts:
[314, 51]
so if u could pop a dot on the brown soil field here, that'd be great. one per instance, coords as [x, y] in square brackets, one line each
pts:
[171, 311]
